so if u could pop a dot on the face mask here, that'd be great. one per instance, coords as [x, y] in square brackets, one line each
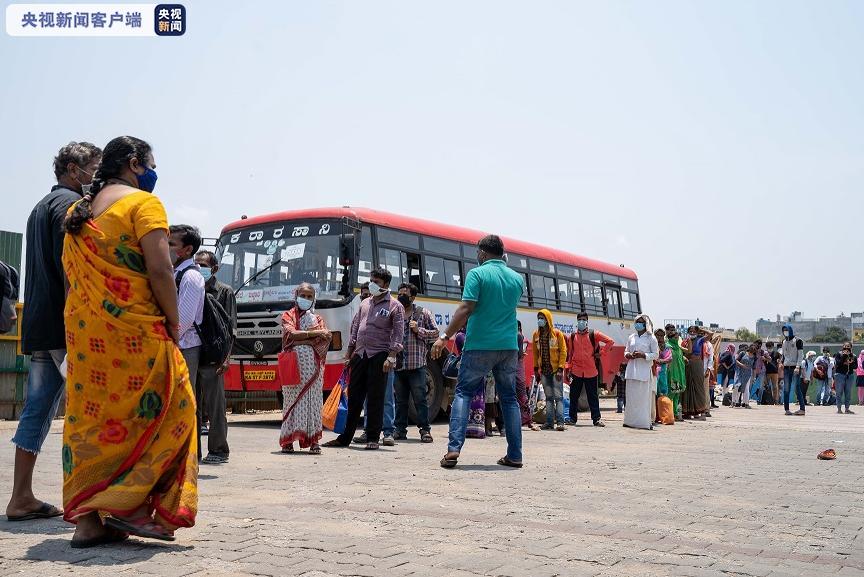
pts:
[639, 326]
[581, 325]
[785, 333]
[206, 273]
[147, 181]
[405, 300]
[85, 188]
[304, 304]
[541, 323]
[375, 289]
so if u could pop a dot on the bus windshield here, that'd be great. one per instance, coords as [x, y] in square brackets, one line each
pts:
[305, 252]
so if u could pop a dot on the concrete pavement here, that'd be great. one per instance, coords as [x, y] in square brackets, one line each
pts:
[740, 495]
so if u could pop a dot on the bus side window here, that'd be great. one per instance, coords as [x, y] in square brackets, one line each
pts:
[365, 263]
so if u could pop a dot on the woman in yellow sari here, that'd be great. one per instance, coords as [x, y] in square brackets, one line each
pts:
[129, 442]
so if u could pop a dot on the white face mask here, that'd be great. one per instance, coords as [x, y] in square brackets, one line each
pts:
[304, 304]
[375, 289]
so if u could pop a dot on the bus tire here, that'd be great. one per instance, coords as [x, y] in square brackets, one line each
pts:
[434, 393]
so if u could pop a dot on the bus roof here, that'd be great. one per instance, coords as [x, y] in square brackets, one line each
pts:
[431, 228]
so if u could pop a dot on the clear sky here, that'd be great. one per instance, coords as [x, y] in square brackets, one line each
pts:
[713, 147]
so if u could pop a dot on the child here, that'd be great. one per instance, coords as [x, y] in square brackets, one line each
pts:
[619, 381]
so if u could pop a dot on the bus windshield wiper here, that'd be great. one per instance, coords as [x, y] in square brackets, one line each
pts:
[256, 275]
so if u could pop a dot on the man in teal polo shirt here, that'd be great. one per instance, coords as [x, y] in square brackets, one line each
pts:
[489, 300]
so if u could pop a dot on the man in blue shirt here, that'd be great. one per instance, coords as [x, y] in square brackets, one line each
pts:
[489, 300]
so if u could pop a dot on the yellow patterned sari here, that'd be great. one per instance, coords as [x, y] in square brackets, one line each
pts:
[129, 438]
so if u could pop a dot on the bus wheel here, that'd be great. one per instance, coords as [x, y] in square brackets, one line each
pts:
[434, 393]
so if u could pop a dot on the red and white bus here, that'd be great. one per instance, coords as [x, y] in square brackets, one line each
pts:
[264, 258]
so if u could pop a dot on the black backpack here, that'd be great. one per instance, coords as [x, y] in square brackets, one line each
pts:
[767, 395]
[8, 297]
[215, 329]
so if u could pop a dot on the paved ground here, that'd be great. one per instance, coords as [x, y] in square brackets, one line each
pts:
[740, 495]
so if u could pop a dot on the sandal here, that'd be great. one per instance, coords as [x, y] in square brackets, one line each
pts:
[449, 463]
[335, 444]
[426, 437]
[288, 449]
[146, 528]
[45, 511]
[827, 455]
[372, 446]
[506, 462]
[315, 450]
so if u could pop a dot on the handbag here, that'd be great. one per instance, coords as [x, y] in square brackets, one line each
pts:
[451, 366]
[289, 368]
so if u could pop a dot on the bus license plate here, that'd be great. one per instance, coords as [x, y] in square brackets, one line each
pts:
[259, 375]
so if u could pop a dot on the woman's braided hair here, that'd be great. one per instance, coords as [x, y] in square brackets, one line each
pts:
[115, 157]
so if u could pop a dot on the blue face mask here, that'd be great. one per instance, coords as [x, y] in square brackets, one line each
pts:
[581, 325]
[304, 304]
[541, 323]
[639, 326]
[147, 181]
[206, 272]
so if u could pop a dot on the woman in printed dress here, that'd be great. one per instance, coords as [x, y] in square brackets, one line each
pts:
[306, 333]
[129, 446]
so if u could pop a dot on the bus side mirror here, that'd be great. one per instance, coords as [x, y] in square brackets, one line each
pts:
[347, 249]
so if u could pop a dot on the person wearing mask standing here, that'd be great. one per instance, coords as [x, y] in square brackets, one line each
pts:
[859, 377]
[772, 370]
[845, 364]
[389, 422]
[550, 359]
[792, 351]
[43, 336]
[489, 300]
[211, 378]
[184, 241]
[823, 374]
[376, 340]
[587, 350]
[410, 380]
[641, 352]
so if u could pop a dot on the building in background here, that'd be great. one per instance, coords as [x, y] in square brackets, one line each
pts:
[814, 329]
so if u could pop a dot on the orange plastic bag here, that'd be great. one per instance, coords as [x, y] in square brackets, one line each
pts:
[665, 413]
[331, 407]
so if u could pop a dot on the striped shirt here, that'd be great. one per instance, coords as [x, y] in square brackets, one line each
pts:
[190, 301]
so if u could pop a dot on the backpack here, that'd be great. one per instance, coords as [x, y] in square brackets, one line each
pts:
[9, 284]
[214, 331]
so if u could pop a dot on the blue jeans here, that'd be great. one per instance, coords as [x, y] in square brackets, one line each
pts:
[790, 377]
[389, 409]
[824, 391]
[843, 385]
[554, 391]
[44, 389]
[411, 384]
[472, 379]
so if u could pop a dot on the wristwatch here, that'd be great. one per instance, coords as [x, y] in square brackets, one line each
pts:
[444, 337]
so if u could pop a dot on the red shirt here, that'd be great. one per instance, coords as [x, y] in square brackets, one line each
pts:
[581, 354]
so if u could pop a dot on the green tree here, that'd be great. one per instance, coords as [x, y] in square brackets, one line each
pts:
[746, 335]
[832, 335]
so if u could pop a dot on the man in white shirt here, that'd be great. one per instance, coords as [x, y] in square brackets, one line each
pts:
[184, 241]
[641, 351]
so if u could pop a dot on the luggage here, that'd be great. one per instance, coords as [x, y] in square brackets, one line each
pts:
[767, 395]
[665, 411]
[727, 399]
